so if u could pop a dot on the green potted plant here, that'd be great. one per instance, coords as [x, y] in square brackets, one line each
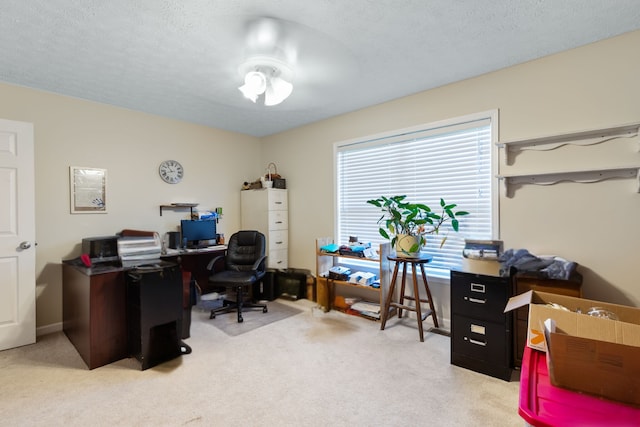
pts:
[407, 224]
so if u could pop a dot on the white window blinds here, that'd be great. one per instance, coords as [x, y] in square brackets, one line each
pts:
[450, 160]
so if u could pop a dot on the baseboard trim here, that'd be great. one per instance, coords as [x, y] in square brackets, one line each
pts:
[48, 329]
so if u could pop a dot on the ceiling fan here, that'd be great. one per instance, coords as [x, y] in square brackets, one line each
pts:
[282, 55]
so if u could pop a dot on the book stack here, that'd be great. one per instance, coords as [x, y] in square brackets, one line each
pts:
[138, 250]
[369, 309]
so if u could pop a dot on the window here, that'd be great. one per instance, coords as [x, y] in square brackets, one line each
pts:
[454, 160]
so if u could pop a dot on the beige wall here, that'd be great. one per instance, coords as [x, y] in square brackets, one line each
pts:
[130, 145]
[592, 224]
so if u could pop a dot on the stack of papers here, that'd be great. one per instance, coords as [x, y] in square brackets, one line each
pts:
[362, 278]
[370, 309]
[132, 249]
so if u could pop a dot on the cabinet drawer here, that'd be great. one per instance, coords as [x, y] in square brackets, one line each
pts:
[479, 296]
[480, 339]
[277, 200]
[278, 259]
[278, 220]
[278, 240]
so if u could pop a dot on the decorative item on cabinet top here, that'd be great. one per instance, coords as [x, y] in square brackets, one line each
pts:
[271, 179]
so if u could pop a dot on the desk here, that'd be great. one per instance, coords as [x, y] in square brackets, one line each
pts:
[195, 261]
[95, 313]
[108, 317]
[95, 304]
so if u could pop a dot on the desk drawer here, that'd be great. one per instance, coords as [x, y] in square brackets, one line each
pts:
[479, 296]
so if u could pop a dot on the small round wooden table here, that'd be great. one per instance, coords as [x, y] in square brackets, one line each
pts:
[431, 311]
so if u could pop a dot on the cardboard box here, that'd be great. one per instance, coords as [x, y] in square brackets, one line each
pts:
[596, 367]
[624, 331]
[589, 354]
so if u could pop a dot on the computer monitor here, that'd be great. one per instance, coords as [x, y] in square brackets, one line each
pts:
[198, 233]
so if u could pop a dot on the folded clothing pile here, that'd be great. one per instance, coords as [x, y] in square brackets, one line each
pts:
[551, 267]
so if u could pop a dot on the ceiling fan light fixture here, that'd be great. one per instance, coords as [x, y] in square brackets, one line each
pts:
[267, 76]
[254, 85]
[277, 91]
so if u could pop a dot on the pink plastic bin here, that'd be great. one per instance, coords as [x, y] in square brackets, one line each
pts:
[544, 405]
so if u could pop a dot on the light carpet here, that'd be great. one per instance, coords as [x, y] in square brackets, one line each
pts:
[253, 318]
[311, 369]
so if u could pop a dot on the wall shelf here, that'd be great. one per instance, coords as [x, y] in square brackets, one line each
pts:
[179, 206]
[511, 182]
[581, 138]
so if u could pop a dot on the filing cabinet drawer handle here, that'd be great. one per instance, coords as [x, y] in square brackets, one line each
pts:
[477, 287]
[278, 222]
[476, 300]
[279, 243]
[278, 203]
[476, 342]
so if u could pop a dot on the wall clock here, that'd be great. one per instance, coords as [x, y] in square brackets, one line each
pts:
[171, 171]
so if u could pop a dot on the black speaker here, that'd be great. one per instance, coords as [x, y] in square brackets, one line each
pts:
[174, 239]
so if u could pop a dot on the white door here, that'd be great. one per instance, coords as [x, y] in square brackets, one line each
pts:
[17, 235]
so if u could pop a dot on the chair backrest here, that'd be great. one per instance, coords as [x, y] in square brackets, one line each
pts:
[244, 249]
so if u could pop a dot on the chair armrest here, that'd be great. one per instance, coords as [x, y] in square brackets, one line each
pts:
[213, 262]
[260, 263]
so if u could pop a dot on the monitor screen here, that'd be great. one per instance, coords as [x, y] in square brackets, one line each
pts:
[198, 233]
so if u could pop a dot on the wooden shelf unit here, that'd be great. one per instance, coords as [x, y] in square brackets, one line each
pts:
[327, 288]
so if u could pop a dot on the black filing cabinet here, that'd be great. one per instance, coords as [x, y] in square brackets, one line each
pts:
[154, 306]
[481, 338]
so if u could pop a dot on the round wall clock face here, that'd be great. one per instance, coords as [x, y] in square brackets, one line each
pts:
[171, 171]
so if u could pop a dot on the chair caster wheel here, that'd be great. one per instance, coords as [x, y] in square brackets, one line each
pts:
[240, 320]
[212, 316]
[264, 310]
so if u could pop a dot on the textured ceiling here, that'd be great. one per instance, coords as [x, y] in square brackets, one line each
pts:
[180, 58]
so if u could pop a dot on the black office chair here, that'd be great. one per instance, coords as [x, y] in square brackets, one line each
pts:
[244, 265]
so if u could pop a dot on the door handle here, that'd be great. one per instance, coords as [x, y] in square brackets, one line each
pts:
[25, 245]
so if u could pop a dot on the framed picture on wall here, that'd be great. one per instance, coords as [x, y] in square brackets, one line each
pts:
[88, 190]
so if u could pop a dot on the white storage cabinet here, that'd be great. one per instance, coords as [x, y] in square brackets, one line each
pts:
[266, 210]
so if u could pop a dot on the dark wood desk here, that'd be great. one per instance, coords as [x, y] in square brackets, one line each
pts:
[195, 261]
[95, 314]
[95, 304]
